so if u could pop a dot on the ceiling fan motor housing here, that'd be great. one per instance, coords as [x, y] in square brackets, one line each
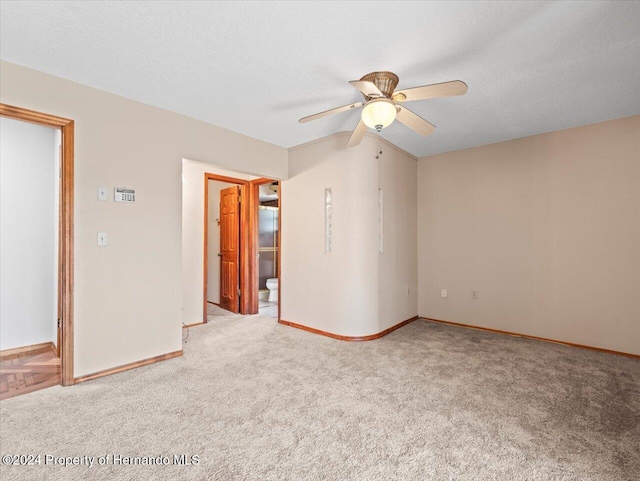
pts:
[385, 81]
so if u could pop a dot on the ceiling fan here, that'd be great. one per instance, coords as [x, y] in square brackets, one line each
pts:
[382, 104]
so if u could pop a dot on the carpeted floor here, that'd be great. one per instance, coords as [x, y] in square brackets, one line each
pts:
[256, 400]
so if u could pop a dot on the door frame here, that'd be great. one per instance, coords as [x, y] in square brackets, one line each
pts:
[65, 228]
[255, 202]
[245, 228]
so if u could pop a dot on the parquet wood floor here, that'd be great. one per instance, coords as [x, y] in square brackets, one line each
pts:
[28, 371]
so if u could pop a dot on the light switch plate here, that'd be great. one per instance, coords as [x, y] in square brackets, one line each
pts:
[103, 193]
[102, 238]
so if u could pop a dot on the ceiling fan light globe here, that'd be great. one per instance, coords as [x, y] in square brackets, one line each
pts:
[378, 113]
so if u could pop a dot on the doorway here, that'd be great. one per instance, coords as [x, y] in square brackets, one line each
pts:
[232, 218]
[37, 350]
[269, 249]
[226, 280]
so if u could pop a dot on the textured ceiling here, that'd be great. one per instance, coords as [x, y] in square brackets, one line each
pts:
[257, 67]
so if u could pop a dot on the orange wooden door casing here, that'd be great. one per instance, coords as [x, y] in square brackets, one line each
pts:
[230, 248]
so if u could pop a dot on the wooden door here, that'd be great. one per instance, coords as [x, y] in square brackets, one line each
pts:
[230, 249]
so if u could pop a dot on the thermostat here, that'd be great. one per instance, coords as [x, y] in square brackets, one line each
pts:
[124, 195]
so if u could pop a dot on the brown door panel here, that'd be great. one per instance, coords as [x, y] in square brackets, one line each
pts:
[230, 248]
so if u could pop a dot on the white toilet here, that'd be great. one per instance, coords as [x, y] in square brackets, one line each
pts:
[272, 285]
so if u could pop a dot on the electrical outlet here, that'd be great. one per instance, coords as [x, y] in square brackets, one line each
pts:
[474, 294]
[443, 293]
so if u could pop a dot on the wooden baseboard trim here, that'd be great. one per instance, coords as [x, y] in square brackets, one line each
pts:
[535, 338]
[126, 367]
[214, 303]
[32, 347]
[348, 338]
[193, 325]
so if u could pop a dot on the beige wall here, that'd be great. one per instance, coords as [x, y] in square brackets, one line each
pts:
[193, 235]
[398, 269]
[128, 296]
[545, 228]
[343, 292]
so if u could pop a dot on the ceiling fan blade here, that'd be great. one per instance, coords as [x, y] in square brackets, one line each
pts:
[413, 121]
[330, 112]
[367, 88]
[358, 133]
[445, 89]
